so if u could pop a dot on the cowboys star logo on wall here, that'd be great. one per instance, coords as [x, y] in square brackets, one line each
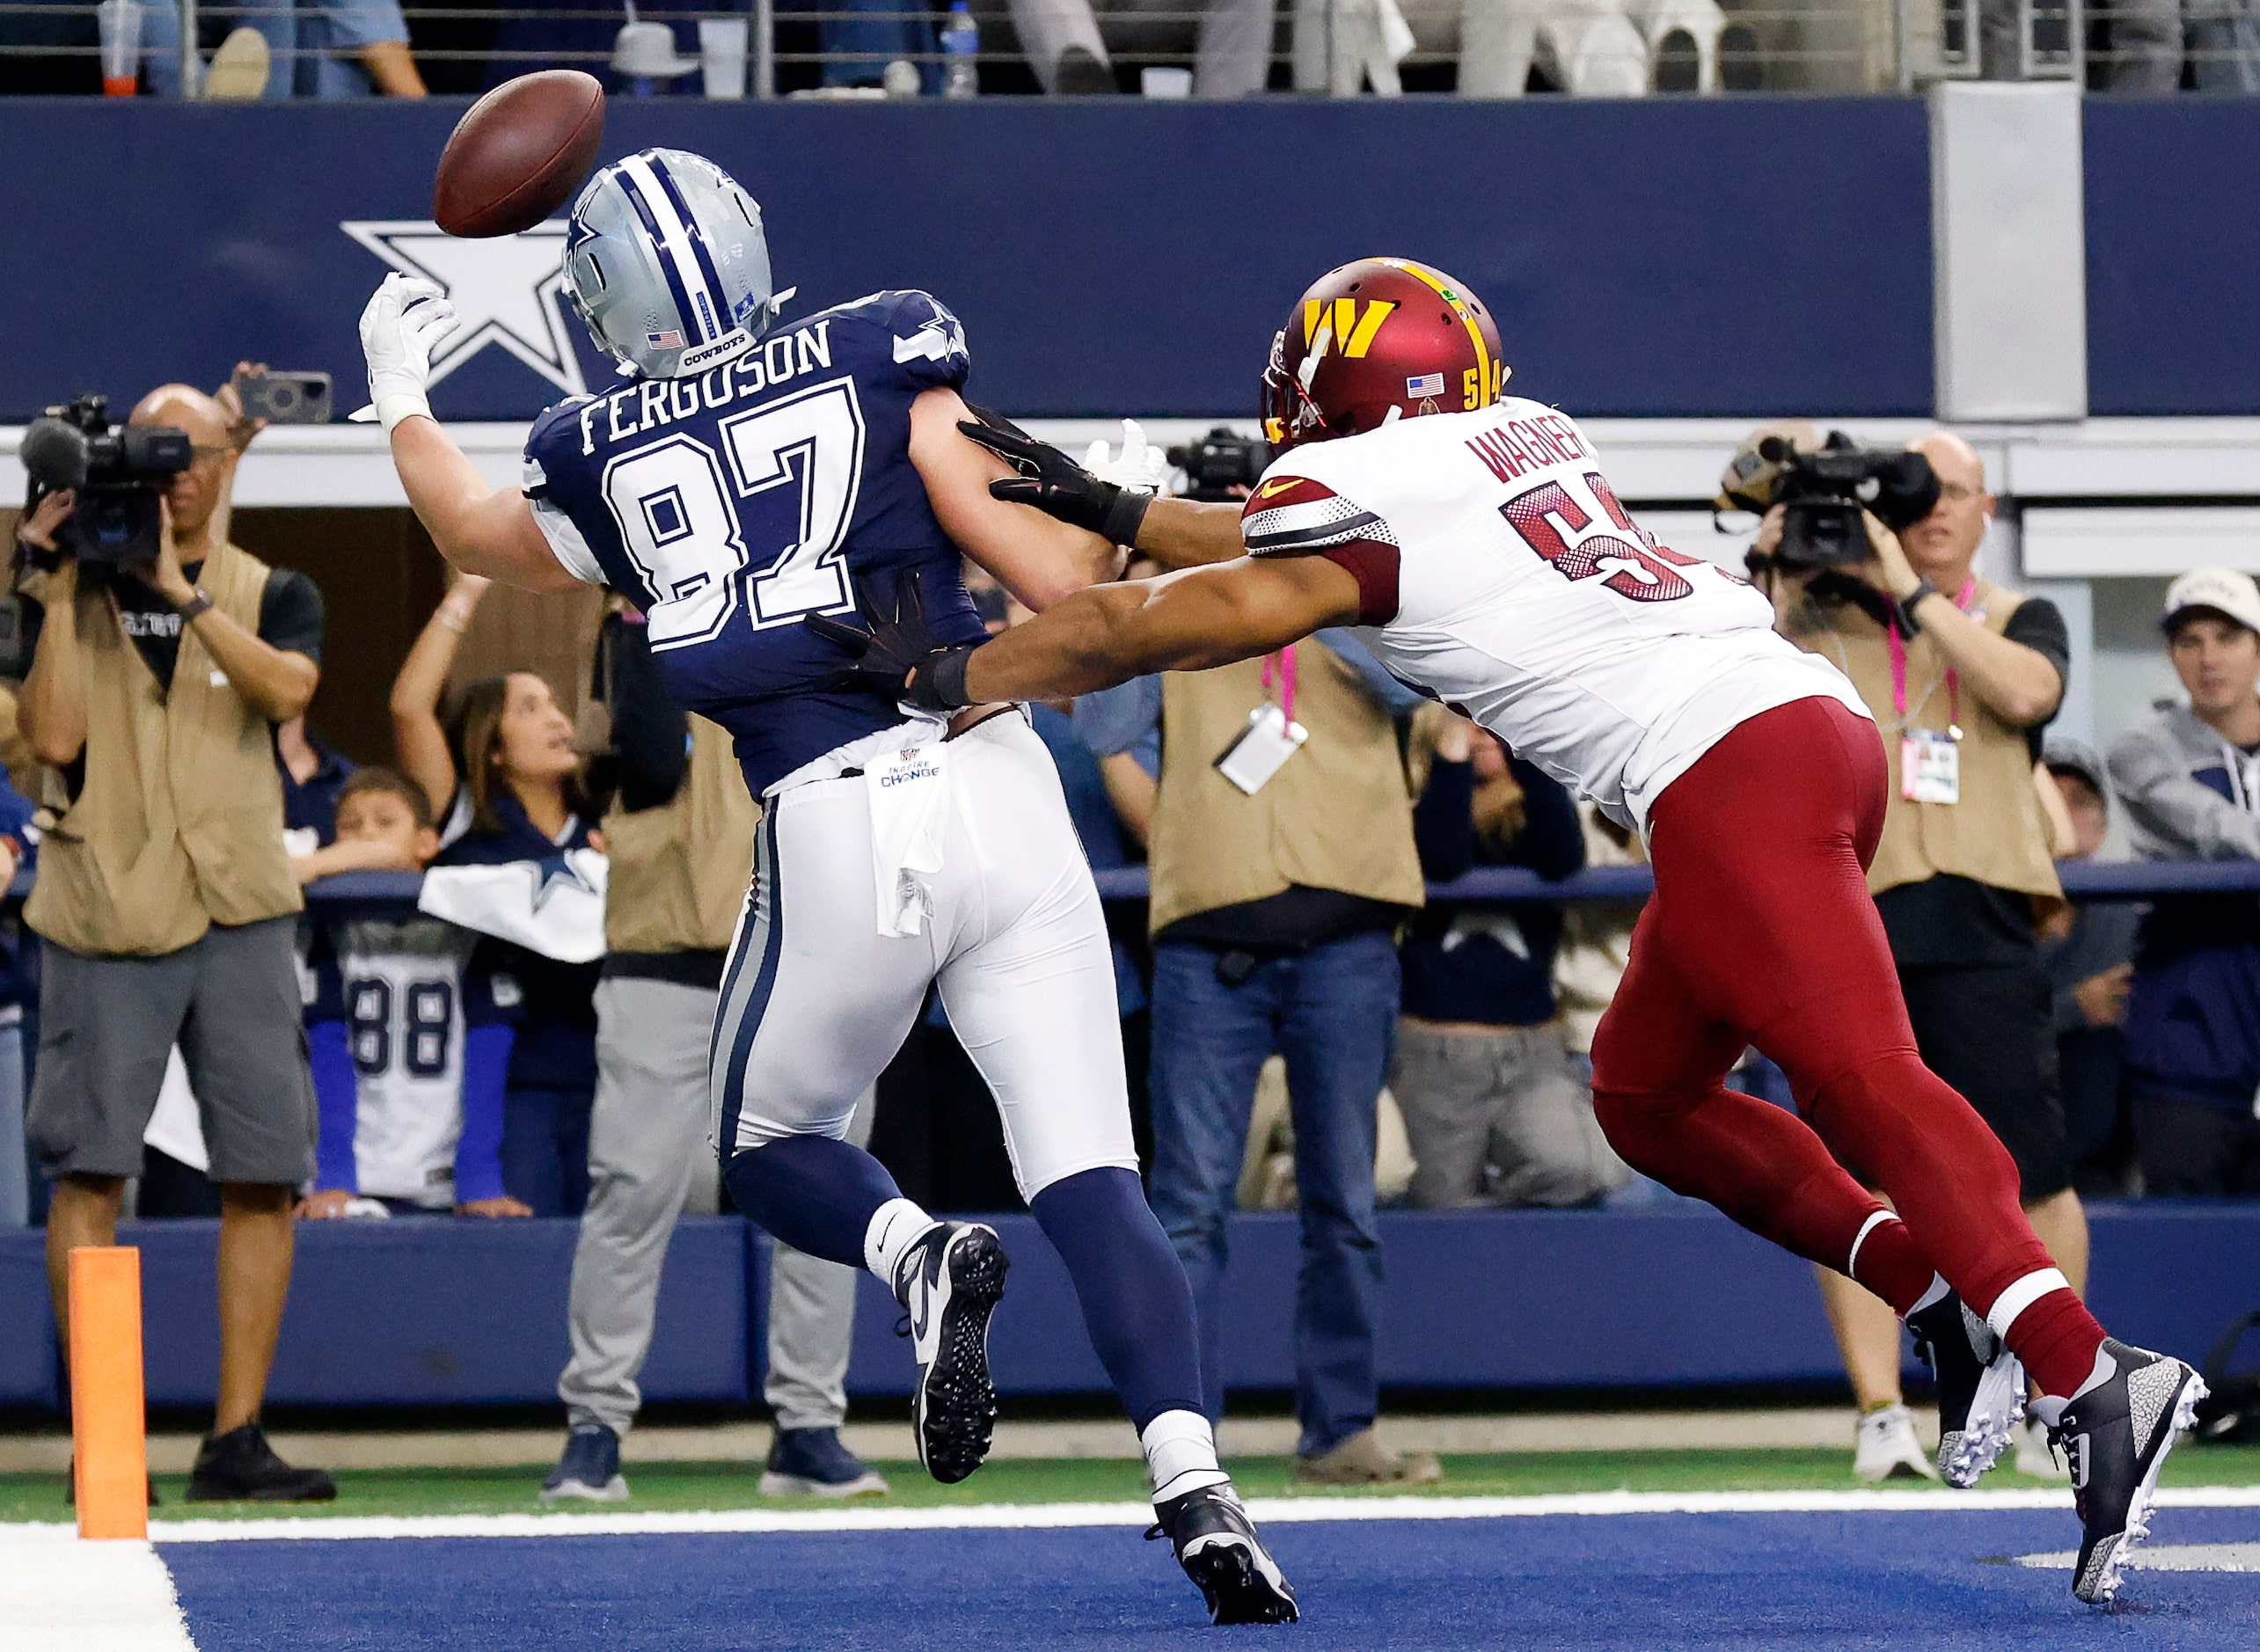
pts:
[506, 291]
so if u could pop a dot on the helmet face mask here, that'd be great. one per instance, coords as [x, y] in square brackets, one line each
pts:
[666, 264]
[1375, 342]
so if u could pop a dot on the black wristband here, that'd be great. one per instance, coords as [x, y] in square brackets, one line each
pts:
[195, 605]
[1125, 515]
[938, 683]
[1904, 609]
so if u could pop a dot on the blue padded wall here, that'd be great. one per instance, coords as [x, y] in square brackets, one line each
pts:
[2173, 240]
[464, 1312]
[1747, 256]
[438, 1311]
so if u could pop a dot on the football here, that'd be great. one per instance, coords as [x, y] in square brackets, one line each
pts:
[519, 153]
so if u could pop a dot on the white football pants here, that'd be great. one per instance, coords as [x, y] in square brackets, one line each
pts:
[815, 1001]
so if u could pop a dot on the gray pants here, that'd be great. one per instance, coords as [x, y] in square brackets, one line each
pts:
[648, 1161]
[1499, 1118]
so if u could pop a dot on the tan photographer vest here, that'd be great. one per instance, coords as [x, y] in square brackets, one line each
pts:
[679, 872]
[1336, 816]
[179, 825]
[1996, 834]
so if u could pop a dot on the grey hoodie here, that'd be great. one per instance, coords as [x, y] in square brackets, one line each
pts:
[2189, 794]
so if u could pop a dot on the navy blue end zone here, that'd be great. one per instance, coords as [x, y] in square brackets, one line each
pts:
[1740, 1581]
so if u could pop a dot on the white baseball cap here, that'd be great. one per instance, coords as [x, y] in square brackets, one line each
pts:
[2223, 590]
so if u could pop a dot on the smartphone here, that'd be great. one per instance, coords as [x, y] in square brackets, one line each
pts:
[285, 398]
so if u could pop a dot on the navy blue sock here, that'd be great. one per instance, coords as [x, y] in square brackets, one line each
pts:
[1135, 1303]
[817, 1194]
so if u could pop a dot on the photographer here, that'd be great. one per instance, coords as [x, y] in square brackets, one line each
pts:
[164, 893]
[1962, 677]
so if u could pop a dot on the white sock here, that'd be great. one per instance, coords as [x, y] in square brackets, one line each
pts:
[895, 1227]
[1180, 1454]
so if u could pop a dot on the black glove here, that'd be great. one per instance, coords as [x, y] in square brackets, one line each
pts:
[897, 657]
[1055, 485]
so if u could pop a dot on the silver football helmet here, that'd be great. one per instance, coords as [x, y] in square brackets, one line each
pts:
[665, 260]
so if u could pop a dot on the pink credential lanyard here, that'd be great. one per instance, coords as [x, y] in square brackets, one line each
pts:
[1900, 670]
[1280, 668]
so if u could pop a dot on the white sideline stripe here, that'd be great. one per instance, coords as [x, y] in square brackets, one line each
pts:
[1010, 1516]
[58, 1594]
[2183, 1557]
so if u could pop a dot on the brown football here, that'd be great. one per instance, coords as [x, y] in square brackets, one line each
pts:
[519, 153]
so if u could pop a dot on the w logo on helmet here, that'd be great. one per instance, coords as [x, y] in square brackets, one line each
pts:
[1344, 323]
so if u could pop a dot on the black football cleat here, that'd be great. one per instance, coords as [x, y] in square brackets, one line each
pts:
[2116, 1432]
[949, 1284]
[1220, 1551]
[1980, 1387]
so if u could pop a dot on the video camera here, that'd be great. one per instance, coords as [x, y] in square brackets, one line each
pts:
[1220, 462]
[117, 470]
[1823, 491]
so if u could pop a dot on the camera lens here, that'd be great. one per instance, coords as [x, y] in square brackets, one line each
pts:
[283, 397]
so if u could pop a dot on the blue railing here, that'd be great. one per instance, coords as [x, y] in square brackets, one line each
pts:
[1492, 886]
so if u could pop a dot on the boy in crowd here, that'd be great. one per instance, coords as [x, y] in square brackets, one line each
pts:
[409, 1046]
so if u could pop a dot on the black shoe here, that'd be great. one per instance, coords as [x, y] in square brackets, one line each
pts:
[1980, 1387]
[241, 1466]
[2117, 1431]
[70, 1487]
[1221, 1553]
[949, 1284]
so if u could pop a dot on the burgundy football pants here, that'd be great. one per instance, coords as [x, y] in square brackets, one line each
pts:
[1761, 931]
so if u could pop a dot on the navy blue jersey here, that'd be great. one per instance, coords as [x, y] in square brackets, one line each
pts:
[731, 505]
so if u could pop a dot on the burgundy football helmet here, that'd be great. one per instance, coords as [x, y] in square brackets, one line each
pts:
[1380, 339]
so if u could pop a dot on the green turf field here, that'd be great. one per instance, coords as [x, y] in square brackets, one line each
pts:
[724, 1485]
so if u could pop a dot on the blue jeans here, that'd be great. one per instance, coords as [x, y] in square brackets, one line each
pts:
[545, 1148]
[1332, 1012]
[15, 1182]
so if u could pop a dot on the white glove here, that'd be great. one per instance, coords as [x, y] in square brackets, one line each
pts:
[406, 316]
[1139, 468]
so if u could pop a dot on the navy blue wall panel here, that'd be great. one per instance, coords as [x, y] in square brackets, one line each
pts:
[2173, 240]
[446, 1312]
[27, 1362]
[409, 1312]
[1737, 256]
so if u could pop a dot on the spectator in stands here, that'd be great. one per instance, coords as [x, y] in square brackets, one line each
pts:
[2189, 778]
[2087, 952]
[516, 796]
[1279, 873]
[314, 777]
[1494, 1112]
[167, 902]
[2150, 41]
[315, 49]
[408, 1048]
[1962, 677]
[1066, 41]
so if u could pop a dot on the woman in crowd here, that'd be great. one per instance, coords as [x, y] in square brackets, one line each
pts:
[1496, 1112]
[505, 777]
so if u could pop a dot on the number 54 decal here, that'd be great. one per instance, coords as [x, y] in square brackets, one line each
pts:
[1554, 524]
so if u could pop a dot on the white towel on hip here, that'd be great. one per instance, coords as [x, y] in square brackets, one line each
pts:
[910, 810]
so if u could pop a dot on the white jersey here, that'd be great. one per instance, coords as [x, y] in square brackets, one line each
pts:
[401, 994]
[1500, 573]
